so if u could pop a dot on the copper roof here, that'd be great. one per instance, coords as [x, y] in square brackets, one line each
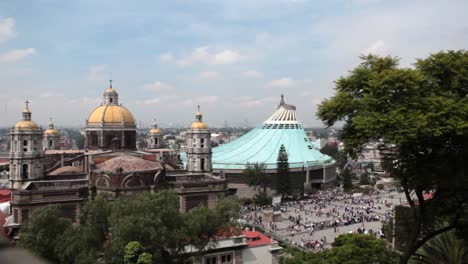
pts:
[128, 164]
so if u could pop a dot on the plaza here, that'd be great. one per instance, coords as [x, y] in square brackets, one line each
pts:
[313, 223]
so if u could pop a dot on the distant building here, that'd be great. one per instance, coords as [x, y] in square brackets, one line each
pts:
[248, 247]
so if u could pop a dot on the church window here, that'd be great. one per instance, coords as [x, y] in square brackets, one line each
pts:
[156, 141]
[202, 164]
[25, 145]
[202, 142]
[50, 143]
[25, 171]
[111, 100]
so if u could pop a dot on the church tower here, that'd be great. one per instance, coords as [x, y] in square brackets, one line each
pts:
[155, 137]
[51, 137]
[198, 139]
[26, 154]
[110, 126]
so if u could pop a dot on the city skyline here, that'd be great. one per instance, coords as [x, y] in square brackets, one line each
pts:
[232, 58]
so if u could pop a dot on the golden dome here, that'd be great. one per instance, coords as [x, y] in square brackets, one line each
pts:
[26, 125]
[51, 132]
[111, 115]
[199, 125]
[155, 131]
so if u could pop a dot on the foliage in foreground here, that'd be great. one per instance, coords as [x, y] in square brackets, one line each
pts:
[347, 249]
[149, 225]
[419, 117]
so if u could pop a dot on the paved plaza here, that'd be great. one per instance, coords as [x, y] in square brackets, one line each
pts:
[313, 223]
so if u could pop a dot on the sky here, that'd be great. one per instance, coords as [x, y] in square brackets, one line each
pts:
[233, 58]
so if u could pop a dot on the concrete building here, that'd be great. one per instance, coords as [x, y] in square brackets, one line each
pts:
[308, 166]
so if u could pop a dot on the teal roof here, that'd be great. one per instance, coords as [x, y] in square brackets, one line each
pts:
[262, 144]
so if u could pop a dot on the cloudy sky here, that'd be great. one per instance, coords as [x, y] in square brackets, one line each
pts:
[234, 58]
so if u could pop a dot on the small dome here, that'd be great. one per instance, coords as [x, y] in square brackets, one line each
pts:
[111, 115]
[155, 131]
[66, 170]
[51, 132]
[26, 125]
[199, 125]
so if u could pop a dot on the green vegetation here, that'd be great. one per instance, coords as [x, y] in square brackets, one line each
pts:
[445, 248]
[283, 185]
[146, 229]
[420, 117]
[340, 156]
[347, 249]
[255, 176]
[347, 179]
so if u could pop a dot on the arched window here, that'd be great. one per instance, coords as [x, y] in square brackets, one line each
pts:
[156, 141]
[25, 171]
[202, 164]
[25, 145]
[50, 143]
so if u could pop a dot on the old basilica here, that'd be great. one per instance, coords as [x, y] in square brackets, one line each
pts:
[41, 173]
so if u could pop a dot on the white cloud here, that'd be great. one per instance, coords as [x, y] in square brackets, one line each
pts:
[207, 56]
[7, 29]
[377, 47]
[209, 75]
[283, 82]
[16, 55]
[250, 102]
[166, 57]
[97, 72]
[226, 57]
[252, 74]
[157, 86]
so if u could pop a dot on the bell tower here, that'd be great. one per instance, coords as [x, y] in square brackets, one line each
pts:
[51, 137]
[198, 139]
[155, 137]
[26, 154]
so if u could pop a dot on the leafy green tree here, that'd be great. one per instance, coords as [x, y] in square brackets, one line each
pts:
[364, 178]
[134, 254]
[145, 258]
[347, 179]
[74, 246]
[420, 117]
[262, 198]
[41, 232]
[154, 220]
[283, 185]
[443, 249]
[348, 249]
[255, 176]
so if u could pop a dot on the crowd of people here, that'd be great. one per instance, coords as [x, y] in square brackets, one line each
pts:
[330, 209]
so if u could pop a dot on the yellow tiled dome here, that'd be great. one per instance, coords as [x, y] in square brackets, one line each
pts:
[26, 125]
[51, 132]
[199, 125]
[111, 115]
[155, 131]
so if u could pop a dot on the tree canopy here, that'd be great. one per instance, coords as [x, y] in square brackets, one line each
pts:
[148, 226]
[419, 116]
[255, 175]
[348, 249]
[283, 185]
